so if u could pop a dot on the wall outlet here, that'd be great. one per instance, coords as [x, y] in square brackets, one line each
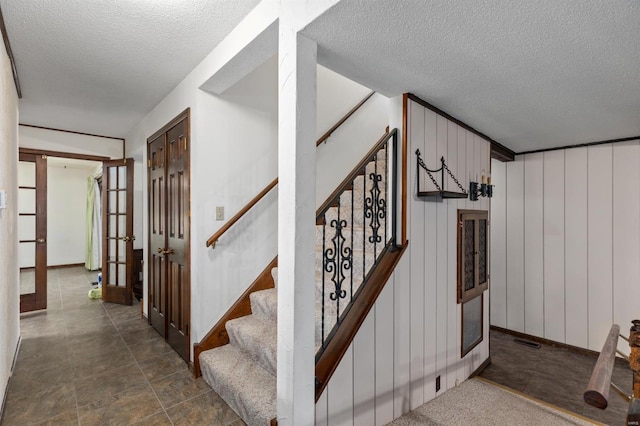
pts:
[219, 213]
[437, 383]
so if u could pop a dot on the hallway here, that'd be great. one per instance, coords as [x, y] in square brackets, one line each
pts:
[85, 362]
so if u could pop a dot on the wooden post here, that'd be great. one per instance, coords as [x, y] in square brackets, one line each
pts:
[597, 392]
[634, 357]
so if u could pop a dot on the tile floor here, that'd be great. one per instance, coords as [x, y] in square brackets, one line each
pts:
[85, 362]
[556, 376]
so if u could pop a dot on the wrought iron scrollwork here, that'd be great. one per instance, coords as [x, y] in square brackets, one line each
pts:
[337, 259]
[375, 208]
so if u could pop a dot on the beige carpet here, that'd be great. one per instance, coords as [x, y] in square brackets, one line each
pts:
[479, 402]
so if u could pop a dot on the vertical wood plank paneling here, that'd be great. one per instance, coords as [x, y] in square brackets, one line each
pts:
[453, 366]
[553, 218]
[340, 392]
[461, 173]
[321, 409]
[576, 277]
[533, 245]
[417, 221]
[485, 164]
[383, 312]
[626, 236]
[498, 314]
[401, 332]
[441, 266]
[363, 381]
[430, 279]
[514, 244]
[600, 241]
[471, 174]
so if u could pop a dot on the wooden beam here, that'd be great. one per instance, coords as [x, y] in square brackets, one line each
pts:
[597, 392]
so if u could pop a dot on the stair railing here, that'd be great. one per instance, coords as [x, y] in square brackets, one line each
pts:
[213, 239]
[356, 226]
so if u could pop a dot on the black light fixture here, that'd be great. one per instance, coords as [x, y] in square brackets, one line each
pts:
[484, 189]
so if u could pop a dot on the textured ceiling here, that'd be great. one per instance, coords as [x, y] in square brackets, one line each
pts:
[531, 75]
[99, 66]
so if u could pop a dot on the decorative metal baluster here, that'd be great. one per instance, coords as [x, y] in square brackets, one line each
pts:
[353, 187]
[386, 185]
[375, 207]
[364, 222]
[337, 261]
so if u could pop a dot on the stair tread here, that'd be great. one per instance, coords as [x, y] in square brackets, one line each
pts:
[257, 338]
[246, 387]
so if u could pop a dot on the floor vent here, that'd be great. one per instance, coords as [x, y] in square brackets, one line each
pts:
[527, 343]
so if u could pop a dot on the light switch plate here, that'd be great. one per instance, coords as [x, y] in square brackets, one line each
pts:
[219, 213]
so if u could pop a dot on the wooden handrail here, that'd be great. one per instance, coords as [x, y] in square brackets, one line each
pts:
[211, 242]
[597, 392]
[326, 136]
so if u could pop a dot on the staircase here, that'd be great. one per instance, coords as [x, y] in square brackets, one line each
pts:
[352, 231]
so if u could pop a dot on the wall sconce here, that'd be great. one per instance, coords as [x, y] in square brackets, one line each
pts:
[484, 189]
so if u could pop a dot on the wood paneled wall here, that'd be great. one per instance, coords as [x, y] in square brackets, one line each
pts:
[412, 334]
[570, 244]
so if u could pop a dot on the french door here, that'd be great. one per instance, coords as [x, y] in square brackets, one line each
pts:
[117, 231]
[32, 231]
[169, 233]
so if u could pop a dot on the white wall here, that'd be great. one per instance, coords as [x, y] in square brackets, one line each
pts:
[9, 281]
[52, 140]
[412, 335]
[572, 243]
[66, 211]
[233, 157]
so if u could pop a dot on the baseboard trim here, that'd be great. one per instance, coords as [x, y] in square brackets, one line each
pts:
[543, 341]
[482, 366]
[6, 389]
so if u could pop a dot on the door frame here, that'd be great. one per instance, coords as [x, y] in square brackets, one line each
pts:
[31, 302]
[186, 116]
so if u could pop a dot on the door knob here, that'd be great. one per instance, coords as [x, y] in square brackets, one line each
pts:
[127, 238]
[165, 251]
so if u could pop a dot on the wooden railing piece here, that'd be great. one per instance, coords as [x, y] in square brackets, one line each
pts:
[340, 122]
[211, 242]
[597, 392]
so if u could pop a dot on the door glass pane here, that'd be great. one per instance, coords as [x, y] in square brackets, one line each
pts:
[112, 274]
[27, 255]
[26, 173]
[113, 202]
[122, 176]
[122, 275]
[113, 178]
[122, 201]
[26, 200]
[26, 228]
[121, 251]
[113, 227]
[27, 281]
[112, 250]
[469, 254]
[122, 225]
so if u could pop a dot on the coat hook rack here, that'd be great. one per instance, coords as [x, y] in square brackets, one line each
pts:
[440, 193]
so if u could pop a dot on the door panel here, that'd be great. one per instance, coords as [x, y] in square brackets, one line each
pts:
[157, 218]
[117, 225]
[178, 239]
[169, 278]
[32, 231]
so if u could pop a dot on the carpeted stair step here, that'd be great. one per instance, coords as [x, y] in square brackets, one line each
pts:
[256, 338]
[246, 387]
[264, 304]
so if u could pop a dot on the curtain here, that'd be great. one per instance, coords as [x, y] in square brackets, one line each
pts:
[93, 256]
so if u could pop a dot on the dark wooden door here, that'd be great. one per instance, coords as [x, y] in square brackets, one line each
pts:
[117, 231]
[32, 231]
[157, 222]
[169, 233]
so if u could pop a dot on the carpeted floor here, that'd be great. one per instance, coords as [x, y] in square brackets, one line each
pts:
[478, 402]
